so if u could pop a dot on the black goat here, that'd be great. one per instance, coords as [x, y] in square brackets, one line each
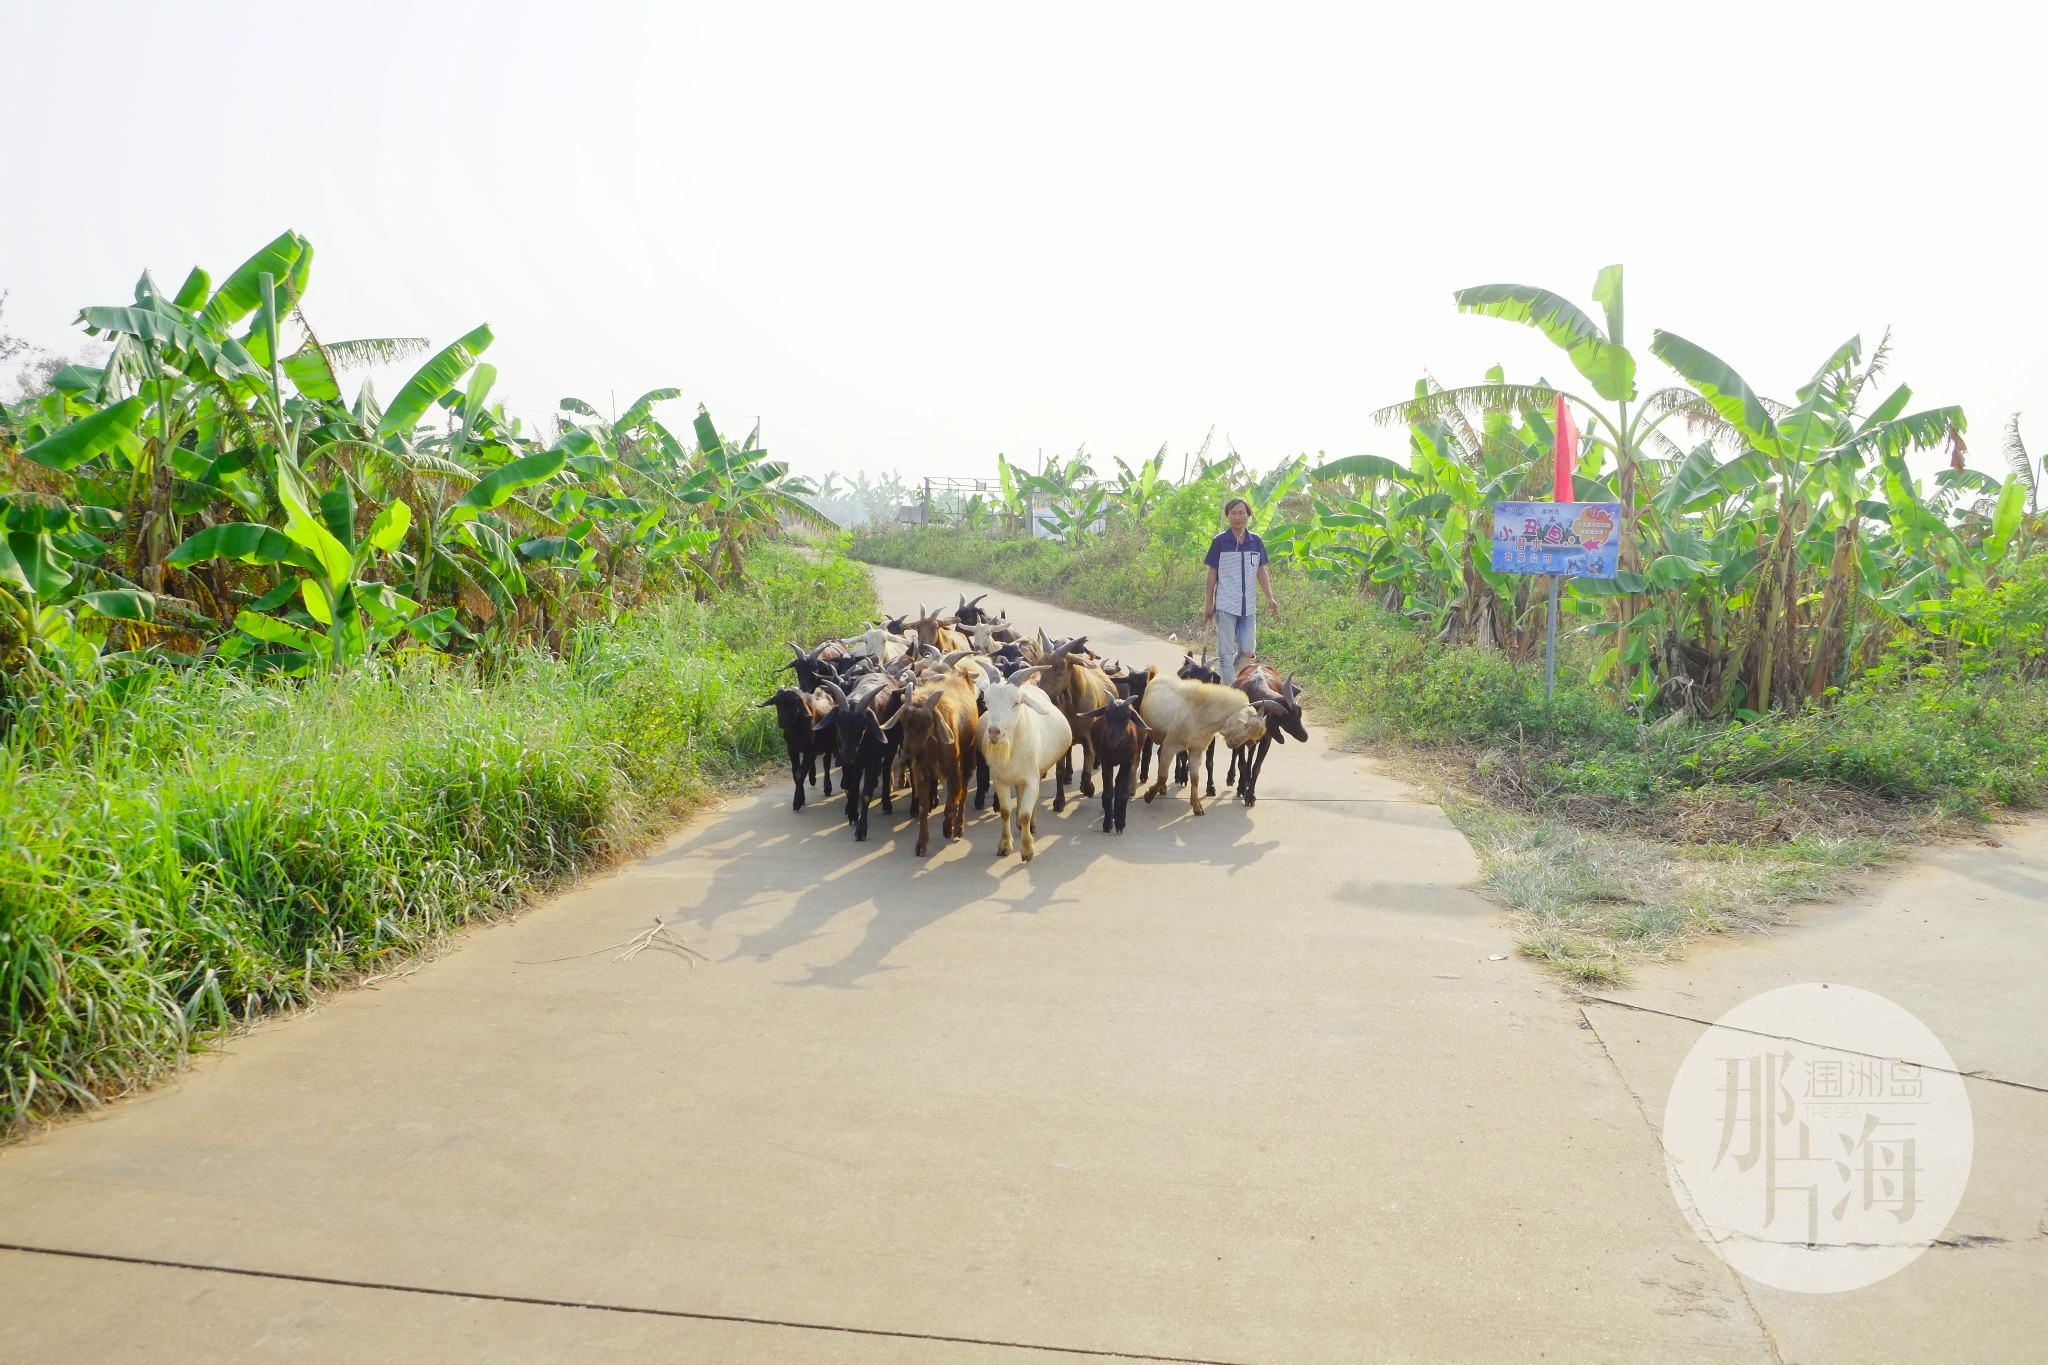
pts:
[1117, 736]
[797, 714]
[867, 752]
[817, 665]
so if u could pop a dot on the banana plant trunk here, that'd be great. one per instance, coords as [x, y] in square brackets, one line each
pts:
[1838, 599]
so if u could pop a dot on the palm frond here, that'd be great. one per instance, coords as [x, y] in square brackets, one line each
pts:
[1438, 404]
[2021, 463]
[1471, 445]
[1702, 419]
[798, 509]
[363, 352]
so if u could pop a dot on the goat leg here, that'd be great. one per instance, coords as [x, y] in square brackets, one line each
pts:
[797, 767]
[922, 781]
[1212, 768]
[1061, 772]
[1158, 787]
[1248, 785]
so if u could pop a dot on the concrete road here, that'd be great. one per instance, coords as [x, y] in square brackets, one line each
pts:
[1251, 1087]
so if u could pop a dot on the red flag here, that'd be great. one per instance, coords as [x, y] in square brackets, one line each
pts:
[1567, 452]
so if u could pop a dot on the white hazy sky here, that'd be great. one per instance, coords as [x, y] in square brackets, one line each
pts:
[975, 228]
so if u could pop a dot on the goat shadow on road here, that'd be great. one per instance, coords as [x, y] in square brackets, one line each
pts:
[829, 875]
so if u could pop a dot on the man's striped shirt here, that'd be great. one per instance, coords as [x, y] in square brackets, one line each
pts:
[1236, 563]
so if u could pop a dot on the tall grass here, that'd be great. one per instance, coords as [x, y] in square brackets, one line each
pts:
[187, 850]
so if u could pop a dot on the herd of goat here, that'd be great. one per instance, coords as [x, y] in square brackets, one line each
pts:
[945, 699]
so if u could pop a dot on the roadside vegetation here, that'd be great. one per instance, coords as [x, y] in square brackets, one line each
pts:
[290, 685]
[1810, 659]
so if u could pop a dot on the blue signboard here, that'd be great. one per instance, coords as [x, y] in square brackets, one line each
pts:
[1573, 539]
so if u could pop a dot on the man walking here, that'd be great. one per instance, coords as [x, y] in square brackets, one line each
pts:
[1236, 557]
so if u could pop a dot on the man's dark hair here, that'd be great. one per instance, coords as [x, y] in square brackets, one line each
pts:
[1237, 502]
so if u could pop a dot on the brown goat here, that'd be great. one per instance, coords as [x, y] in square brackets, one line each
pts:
[935, 630]
[1279, 701]
[1077, 686]
[937, 721]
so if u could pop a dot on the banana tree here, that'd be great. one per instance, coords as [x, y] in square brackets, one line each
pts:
[1602, 359]
[741, 494]
[1808, 464]
[1138, 490]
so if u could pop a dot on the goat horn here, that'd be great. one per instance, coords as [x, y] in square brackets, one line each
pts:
[1077, 645]
[832, 688]
[956, 656]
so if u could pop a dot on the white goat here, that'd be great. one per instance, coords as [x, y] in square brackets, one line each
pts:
[1186, 715]
[877, 643]
[1022, 736]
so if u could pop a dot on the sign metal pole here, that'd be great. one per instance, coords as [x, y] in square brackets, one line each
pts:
[1550, 643]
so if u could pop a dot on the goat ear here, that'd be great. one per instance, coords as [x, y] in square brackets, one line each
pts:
[1274, 709]
[769, 702]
